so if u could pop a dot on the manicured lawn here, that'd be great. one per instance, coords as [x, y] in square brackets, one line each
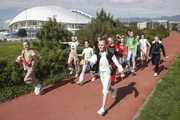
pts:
[10, 49]
[164, 104]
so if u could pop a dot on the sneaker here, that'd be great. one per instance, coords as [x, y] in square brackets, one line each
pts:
[71, 72]
[126, 66]
[132, 71]
[77, 74]
[114, 94]
[101, 111]
[35, 87]
[155, 74]
[122, 75]
[79, 83]
[38, 89]
[93, 79]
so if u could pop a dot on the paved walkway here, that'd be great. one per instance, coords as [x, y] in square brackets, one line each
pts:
[68, 101]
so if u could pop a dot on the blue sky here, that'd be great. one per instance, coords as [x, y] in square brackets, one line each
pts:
[118, 8]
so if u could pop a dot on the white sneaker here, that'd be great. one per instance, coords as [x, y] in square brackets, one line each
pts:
[79, 83]
[132, 71]
[38, 89]
[101, 111]
[71, 72]
[35, 89]
[77, 74]
[155, 74]
[114, 94]
[93, 79]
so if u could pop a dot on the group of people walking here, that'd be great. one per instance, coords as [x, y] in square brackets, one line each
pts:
[108, 55]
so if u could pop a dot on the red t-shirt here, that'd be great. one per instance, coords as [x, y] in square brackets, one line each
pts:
[124, 49]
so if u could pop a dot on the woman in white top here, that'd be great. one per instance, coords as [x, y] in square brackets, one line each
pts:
[104, 71]
[144, 43]
[87, 53]
[73, 46]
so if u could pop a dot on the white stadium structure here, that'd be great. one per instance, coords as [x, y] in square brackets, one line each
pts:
[34, 18]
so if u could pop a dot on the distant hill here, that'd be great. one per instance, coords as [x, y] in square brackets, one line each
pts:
[175, 18]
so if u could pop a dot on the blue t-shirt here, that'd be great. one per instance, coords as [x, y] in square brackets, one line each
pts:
[88, 52]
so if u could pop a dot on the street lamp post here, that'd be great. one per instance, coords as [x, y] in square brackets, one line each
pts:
[1, 25]
[26, 23]
[26, 17]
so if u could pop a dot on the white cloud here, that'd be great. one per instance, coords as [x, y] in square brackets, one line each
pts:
[115, 7]
[8, 21]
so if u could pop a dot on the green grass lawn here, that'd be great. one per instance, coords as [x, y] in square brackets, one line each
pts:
[11, 49]
[164, 104]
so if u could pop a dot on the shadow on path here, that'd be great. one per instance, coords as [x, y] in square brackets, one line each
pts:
[123, 92]
[161, 68]
[140, 66]
[59, 84]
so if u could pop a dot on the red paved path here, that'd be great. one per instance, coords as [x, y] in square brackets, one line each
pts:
[68, 101]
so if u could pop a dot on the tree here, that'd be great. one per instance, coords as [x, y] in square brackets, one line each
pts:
[174, 27]
[50, 34]
[53, 56]
[161, 31]
[21, 33]
[104, 23]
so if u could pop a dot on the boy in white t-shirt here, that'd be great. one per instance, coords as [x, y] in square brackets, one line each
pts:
[73, 47]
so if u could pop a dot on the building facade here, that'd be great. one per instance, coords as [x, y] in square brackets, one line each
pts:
[34, 18]
[172, 23]
[153, 24]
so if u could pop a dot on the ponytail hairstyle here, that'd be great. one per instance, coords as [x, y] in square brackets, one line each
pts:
[134, 39]
[122, 38]
[111, 37]
[105, 36]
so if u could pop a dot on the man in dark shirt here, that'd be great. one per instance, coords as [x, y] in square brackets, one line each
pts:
[155, 52]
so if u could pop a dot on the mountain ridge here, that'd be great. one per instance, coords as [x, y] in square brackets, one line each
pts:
[175, 18]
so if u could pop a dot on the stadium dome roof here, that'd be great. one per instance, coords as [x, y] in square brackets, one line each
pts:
[42, 13]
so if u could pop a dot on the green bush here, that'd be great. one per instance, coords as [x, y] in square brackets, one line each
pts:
[11, 72]
[50, 69]
[161, 31]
